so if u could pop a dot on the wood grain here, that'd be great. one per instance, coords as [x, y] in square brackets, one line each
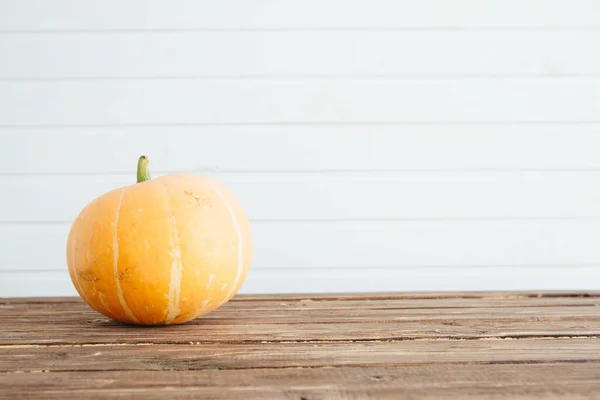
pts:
[253, 319]
[498, 295]
[230, 315]
[102, 331]
[551, 381]
[524, 345]
[293, 355]
[262, 303]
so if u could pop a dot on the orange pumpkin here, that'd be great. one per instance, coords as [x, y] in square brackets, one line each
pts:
[161, 251]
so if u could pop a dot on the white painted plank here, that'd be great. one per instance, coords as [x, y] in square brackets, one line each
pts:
[330, 53]
[422, 279]
[338, 196]
[18, 15]
[353, 280]
[191, 101]
[301, 148]
[392, 244]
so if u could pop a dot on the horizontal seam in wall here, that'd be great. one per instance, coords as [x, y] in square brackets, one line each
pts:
[303, 76]
[296, 123]
[431, 28]
[362, 220]
[333, 172]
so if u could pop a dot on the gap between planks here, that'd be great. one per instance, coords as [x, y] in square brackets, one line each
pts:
[300, 341]
[321, 367]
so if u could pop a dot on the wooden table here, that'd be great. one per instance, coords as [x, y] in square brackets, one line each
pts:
[386, 346]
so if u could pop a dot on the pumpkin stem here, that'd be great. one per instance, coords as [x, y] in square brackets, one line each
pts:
[143, 173]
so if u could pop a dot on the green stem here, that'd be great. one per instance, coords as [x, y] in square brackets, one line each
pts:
[143, 173]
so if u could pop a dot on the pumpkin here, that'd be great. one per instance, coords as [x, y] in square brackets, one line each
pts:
[161, 251]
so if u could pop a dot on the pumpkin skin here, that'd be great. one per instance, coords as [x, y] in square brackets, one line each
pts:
[160, 252]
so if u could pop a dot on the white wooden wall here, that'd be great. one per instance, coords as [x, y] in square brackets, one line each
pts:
[375, 144]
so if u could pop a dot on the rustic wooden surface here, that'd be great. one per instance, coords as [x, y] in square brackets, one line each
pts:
[309, 347]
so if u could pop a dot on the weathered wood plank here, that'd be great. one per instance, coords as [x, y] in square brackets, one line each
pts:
[348, 346]
[440, 381]
[35, 319]
[550, 391]
[241, 310]
[358, 296]
[286, 355]
[420, 295]
[324, 304]
[76, 323]
[401, 304]
[102, 330]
